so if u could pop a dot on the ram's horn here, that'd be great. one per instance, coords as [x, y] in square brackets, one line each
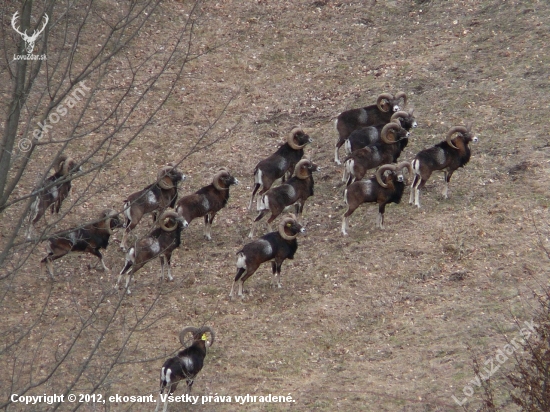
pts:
[207, 329]
[301, 169]
[401, 95]
[164, 181]
[58, 164]
[185, 331]
[384, 133]
[108, 215]
[217, 179]
[68, 166]
[452, 131]
[166, 215]
[291, 138]
[384, 96]
[381, 171]
[403, 165]
[289, 219]
[401, 113]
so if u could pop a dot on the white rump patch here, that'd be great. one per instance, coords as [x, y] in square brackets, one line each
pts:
[258, 177]
[347, 146]
[264, 203]
[54, 192]
[348, 169]
[416, 166]
[131, 255]
[127, 211]
[241, 261]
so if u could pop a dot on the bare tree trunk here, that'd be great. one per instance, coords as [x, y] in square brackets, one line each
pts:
[15, 105]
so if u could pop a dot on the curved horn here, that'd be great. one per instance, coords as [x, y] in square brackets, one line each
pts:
[68, 163]
[291, 139]
[208, 329]
[185, 331]
[59, 163]
[383, 96]
[452, 131]
[381, 171]
[108, 215]
[401, 113]
[386, 129]
[167, 215]
[401, 95]
[172, 165]
[301, 169]
[290, 219]
[216, 180]
[164, 181]
[403, 165]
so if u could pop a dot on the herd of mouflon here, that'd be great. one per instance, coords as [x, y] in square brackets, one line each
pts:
[373, 137]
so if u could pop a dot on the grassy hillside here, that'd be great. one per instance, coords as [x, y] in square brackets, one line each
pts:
[375, 321]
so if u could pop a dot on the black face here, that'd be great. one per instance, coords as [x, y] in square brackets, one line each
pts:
[399, 176]
[73, 167]
[407, 122]
[182, 224]
[116, 222]
[391, 105]
[468, 137]
[176, 176]
[394, 104]
[293, 228]
[229, 180]
[314, 167]
[403, 134]
[302, 138]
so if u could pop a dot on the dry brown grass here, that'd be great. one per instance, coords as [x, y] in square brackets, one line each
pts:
[378, 320]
